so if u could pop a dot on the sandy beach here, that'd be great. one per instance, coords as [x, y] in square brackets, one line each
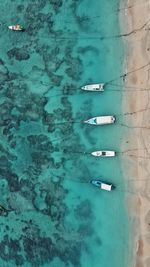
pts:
[137, 102]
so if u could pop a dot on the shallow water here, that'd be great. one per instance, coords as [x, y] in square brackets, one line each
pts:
[56, 218]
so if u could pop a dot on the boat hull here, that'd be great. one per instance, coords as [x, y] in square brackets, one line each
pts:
[103, 153]
[15, 28]
[102, 185]
[94, 87]
[101, 120]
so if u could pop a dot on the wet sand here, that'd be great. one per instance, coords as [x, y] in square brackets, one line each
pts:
[137, 163]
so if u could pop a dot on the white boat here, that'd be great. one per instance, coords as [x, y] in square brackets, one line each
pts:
[102, 153]
[102, 185]
[17, 27]
[94, 87]
[101, 120]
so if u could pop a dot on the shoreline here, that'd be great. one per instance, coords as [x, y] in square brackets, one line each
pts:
[137, 167]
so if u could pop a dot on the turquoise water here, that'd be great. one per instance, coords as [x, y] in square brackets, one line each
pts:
[56, 218]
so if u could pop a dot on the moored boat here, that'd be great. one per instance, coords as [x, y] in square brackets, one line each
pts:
[101, 185]
[93, 87]
[16, 27]
[101, 120]
[102, 153]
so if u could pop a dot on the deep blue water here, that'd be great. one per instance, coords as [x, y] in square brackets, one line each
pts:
[57, 218]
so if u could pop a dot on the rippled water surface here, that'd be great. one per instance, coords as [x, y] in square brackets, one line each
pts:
[56, 218]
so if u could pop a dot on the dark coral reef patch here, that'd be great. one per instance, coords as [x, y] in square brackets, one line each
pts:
[38, 128]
